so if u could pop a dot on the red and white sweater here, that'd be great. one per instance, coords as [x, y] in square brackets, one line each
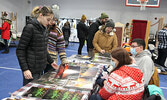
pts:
[126, 83]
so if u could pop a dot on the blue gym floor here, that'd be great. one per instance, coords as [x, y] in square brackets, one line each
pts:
[11, 76]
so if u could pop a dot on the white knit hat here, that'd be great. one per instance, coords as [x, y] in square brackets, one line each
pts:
[55, 9]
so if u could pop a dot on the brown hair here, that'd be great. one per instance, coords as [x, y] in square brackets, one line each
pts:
[66, 24]
[122, 56]
[127, 24]
[41, 9]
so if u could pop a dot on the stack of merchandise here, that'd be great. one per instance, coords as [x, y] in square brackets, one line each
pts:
[73, 82]
[53, 94]
[101, 58]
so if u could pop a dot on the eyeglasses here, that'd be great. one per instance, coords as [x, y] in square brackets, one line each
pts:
[134, 46]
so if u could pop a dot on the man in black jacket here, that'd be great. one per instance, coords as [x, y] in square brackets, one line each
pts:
[82, 31]
[94, 27]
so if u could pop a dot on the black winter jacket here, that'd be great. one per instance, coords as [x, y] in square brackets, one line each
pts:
[66, 32]
[94, 27]
[32, 51]
[82, 30]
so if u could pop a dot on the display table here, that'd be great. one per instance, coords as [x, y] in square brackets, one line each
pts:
[77, 82]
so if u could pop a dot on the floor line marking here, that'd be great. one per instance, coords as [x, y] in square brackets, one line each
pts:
[10, 68]
[163, 87]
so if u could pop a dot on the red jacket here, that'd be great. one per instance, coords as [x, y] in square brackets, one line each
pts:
[5, 31]
[126, 83]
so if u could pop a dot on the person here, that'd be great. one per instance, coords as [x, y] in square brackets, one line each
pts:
[32, 51]
[162, 48]
[126, 32]
[94, 27]
[90, 22]
[5, 33]
[82, 31]
[66, 32]
[142, 58]
[56, 43]
[124, 82]
[105, 40]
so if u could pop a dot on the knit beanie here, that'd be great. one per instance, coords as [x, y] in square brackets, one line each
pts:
[56, 15]
[103, 15]
[83, 17]
[110, 23]
[55, 9]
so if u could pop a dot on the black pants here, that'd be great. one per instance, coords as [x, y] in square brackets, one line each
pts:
[6, 45]
[162, 55]
[35, 77]
[81, 44]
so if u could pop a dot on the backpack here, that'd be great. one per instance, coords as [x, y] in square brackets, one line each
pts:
[149, 93]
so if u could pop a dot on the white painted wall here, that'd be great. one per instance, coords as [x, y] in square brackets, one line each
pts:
[22, 7]
[116, 10]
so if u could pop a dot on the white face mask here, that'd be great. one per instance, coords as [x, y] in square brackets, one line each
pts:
[112, 63]
[133, 51]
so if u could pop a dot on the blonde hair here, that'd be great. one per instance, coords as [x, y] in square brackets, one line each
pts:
[41, 9]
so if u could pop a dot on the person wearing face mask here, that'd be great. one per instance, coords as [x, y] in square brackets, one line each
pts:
[105, 40]
[142, 58]
[32, 51]
[125, 81]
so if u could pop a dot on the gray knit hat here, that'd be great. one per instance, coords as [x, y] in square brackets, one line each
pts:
[110, 23]
[55, 9]
[56, 15]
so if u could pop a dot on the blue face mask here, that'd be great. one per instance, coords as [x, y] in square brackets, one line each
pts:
[112, 63]
[133, 51]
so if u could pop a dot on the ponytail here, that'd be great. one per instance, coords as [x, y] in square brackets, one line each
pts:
[45, 11]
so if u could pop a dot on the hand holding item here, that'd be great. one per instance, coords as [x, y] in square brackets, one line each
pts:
[102, 51]
[66, 66]
[60, 72]
[54, 65]
[27, 74]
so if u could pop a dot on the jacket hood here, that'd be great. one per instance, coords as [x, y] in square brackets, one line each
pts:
[36, 23]
[144, 53]
[134, 73]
